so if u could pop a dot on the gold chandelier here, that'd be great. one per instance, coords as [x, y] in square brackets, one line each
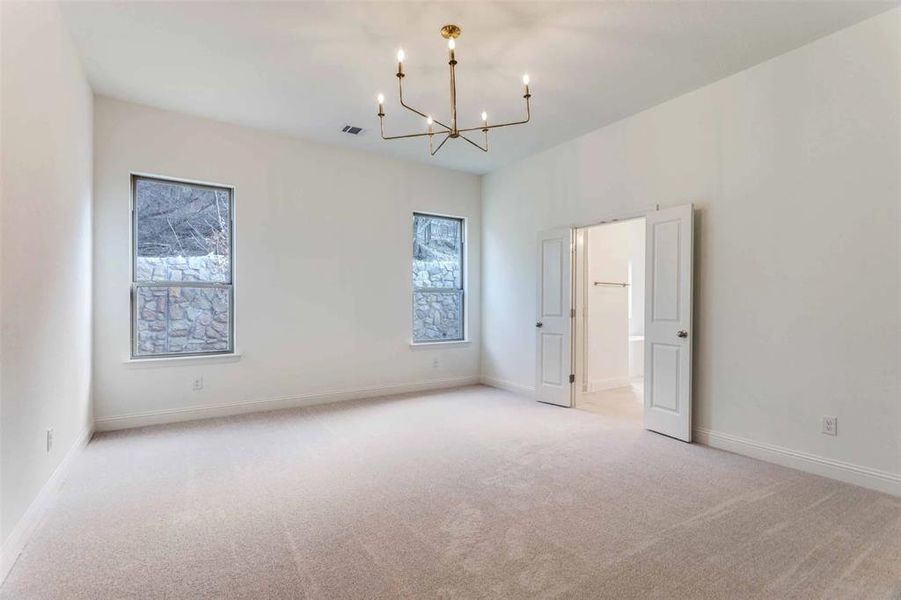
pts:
[452, 131]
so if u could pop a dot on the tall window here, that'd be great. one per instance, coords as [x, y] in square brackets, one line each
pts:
[182, 300]
[437, 278]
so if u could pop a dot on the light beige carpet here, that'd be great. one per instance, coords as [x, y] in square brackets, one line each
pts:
[473, 493]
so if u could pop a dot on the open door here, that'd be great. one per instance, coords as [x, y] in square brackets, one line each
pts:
[554, 381]
[668, 295]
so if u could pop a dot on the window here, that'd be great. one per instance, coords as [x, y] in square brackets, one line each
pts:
[182, 299]
[437, 278]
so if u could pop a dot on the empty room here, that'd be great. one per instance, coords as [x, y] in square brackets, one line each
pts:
[514, 299]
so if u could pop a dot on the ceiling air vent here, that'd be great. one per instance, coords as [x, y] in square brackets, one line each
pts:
[352, 129]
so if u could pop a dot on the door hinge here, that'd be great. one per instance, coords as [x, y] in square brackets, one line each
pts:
[572, 378]
[572, 313]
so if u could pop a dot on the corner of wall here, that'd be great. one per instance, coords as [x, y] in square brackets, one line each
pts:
[17, 539]
[54, 164]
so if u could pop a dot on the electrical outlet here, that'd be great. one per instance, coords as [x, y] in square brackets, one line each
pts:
[198, 384]
[49, 440]
[830, 425]
[436, 363]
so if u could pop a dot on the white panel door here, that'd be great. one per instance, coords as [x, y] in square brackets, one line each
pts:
[553, 327]
[668, 291]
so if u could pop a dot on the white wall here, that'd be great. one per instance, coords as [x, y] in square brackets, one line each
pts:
[636, 290]
[636, 298]
[323, 250]
[793, 166]
[45, 242]
[607, 319]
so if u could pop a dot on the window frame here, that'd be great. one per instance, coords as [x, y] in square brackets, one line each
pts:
[464, 280]
[135, 284]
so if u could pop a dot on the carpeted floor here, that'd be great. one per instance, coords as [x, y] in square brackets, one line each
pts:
[471, 493]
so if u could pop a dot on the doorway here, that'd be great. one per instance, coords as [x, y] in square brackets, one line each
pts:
[565, 288]
[609, 323]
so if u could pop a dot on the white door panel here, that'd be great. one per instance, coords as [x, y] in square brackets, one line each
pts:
[553, 325]
[668, 295]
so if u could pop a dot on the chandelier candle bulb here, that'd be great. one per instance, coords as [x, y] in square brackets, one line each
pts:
[400, 62]
[525, 82]
[381, 99]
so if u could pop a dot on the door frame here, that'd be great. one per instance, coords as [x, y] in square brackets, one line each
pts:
[577, 336]
[620, 216]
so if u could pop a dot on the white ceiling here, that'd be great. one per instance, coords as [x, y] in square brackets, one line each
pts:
[308, 68]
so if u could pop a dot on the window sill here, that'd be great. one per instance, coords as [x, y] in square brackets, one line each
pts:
[436, 344]
[174, 361]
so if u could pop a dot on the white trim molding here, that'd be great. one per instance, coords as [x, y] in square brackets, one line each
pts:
[503, 384]
[439, 344]
[874, 479]
[25, 527]
[193, 413]
[174, 361]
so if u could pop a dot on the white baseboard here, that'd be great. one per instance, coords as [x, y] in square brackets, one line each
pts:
[503, 384]
[873, 479]
[19, 536]
[193, 413]
[609, 384]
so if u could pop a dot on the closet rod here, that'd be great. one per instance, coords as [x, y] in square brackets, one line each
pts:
[615, 283]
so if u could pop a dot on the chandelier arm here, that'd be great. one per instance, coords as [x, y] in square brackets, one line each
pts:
[485, 149]
[400, 89]
[435, 151]
[401, 137]
[398, 137]
[523, 122]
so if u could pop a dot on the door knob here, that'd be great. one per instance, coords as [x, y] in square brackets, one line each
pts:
[539, 324]
[682, 333]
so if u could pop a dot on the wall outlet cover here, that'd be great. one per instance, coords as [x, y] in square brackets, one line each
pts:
[830, 425]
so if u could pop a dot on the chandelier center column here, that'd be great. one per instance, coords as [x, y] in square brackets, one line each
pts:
[452, 62]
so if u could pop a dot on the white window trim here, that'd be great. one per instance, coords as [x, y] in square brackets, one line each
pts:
[160, 361]
[463, 342]
[170, 359]
[465, 236]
